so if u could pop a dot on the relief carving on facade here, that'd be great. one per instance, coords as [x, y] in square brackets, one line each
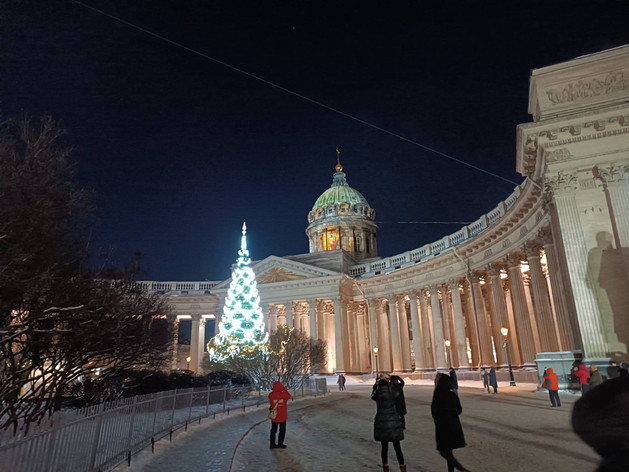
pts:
[277, 274]
[561, 154]
[615, 81]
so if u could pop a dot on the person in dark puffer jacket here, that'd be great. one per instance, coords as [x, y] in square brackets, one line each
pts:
[445, 409]
[388, 426]
[601, 419]
[400, 402]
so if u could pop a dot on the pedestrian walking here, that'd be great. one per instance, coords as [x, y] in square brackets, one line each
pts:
[484, 376]
[551, 383]
[595, 376]
[454, 382]
[492, 380]
[278, 413]
[388, 426]
[341, 382]
[445, 409]
[400, 402]
[601, 419]
[583, 375]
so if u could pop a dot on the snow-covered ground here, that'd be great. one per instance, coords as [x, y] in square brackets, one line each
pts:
[516, 430]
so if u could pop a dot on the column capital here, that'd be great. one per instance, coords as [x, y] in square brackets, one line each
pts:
[391, 297]
[311, 301]
[545, 235]
[495, 268]
[433, 287]
[414, 293]
[474, 277]
[454, 281]
[532, 248]
[513, 260]
[195, 317]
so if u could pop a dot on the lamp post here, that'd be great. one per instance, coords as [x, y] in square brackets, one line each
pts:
[375, 352]
[505, 332]
[447, 341]
[188, 359]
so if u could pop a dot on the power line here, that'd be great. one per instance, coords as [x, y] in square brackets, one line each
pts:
[426, 222]
[229, 66]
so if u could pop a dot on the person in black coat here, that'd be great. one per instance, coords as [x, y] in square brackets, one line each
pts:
[388, 426]
[446, 409]
[601, 419]
[454, 382]
[400, 402]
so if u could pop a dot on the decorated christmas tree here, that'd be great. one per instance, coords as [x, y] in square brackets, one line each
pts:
[242, 329]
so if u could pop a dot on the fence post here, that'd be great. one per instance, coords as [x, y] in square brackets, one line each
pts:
[51, 446]
[191, 401]
[135, 399]
[157, 402]
[172, 416]
[99, 422]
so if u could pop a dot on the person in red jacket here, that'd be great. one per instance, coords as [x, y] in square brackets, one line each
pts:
[279, 400]
[552, 384]
[584, 377]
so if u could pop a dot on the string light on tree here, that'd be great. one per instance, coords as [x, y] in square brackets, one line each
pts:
[242, 329]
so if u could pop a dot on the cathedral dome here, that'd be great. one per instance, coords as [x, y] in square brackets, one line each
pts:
[340, 192]
[341, 218]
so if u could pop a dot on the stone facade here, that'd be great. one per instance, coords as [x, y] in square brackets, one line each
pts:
[550, 263]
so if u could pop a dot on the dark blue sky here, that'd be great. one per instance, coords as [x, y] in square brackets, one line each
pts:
[180, 150]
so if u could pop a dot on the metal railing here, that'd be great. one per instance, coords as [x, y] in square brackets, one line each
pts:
[100, 437]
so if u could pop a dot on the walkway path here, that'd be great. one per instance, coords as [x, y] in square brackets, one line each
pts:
[515, 431]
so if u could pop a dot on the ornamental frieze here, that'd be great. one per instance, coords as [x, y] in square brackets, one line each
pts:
[613, 82]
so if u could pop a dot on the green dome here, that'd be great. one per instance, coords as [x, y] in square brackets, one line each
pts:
[340, 192]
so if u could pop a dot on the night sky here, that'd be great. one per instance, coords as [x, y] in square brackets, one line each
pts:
[180, 150]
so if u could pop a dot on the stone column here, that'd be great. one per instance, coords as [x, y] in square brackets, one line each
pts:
[501, 319]
[487, 357]
[201, 342]
[528, 292]
[362, 361]
[459, 324]
[448, 326]
[194, 343]
[437, 326]
[289, 314]
[543, 310]
[273, 318]
[405, 343]
[396, 352]
[520, 310]
[266, 316]
[295, 309]
[373, 332]
[312, 306]
[338, 336]
[352, 332]
[565, 320]
[428, 351]
[417, 333]
[175, 359]
[471, 324]
[581, 279]
[384, 335]
[514, 339]
[615, 178]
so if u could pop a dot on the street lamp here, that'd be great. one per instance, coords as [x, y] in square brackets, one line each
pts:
[375, 351]
[188, 359]
[447, 341]
[505, 332]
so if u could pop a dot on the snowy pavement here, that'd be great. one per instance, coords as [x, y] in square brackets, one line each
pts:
[516, 430]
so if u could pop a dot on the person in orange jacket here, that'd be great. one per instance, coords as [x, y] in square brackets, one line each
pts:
[584, 376]
[279, 400]
[551, 383]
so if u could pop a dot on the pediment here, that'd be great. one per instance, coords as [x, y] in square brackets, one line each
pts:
[276, 269]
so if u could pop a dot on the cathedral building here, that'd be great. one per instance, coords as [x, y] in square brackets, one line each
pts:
[547, 268]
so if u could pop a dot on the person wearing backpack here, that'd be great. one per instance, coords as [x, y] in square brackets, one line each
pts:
[278, 413]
